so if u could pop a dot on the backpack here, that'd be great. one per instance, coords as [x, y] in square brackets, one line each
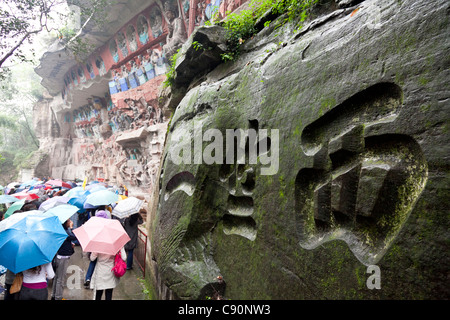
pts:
[120, 266]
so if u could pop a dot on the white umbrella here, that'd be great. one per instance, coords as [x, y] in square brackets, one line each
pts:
[16, 217]
[127, 207]
[53, 202]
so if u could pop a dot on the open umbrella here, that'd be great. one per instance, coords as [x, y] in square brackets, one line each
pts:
[13, 184]
[16, 217]
[79, 199]
[28, 183]
[95, 187]
[73, 184]
[127, 207]
[37, 186]
[89, 206]
[4, 198]
[25, 196]
[32, 241]
[14, 207]
[53, 202]
[102, 198]
[74, 192]
[58, 183]
[102, 235]
[63, 212]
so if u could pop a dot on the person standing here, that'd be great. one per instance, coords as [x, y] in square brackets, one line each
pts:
[103, 278]
[131, 227]
[34, 285]
[9, 279]
[87, 281]
[61, 261]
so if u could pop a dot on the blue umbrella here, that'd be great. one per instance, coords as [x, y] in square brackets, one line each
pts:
[102, 197]
[89, 206]
[63, 212]
[4, 198]
[75, 192]
[95, 187]
[79, 199]
[31, 242]
[28, 183]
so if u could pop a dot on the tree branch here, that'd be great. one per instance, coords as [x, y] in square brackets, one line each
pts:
[27, 126]
[11, 52]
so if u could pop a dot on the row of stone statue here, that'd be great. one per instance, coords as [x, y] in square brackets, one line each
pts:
[136, 114]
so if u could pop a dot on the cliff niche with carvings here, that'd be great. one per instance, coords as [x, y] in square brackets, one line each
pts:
[102, 118]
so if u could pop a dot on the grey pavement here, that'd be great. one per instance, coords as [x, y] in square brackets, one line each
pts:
[129, 288]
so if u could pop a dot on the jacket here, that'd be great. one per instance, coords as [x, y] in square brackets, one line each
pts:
[131, 227]
[103, 278]
[66, 248]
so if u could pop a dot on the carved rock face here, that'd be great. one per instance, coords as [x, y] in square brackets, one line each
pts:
[362, 185]
[359, 114]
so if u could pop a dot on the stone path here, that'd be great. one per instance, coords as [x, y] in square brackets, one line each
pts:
[129, 288]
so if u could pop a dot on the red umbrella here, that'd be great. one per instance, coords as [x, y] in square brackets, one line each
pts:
[26, 196]
[58, 183]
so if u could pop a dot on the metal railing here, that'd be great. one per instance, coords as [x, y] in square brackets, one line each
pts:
[140, 252]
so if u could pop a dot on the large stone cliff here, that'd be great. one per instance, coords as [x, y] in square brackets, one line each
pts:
[346, 168]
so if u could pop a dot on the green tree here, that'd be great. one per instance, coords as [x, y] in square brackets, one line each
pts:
[22, 20]
[20, 90]
[7, 122]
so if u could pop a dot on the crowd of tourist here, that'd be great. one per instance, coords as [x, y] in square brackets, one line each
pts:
[41, 199]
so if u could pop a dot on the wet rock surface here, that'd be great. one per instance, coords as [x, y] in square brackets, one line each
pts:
[360, 103]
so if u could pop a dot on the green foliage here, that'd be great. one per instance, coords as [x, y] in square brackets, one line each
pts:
[296, 10]
[241, 26]
[66, 33]
[93, 12]
[197, 45]
[19, 92]
[80, 48]
[170, 75]
[22, 20]
[230, 56]
[7, 169]
[7, 122]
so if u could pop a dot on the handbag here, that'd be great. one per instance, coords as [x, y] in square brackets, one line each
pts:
[120, 266]
[17, 284]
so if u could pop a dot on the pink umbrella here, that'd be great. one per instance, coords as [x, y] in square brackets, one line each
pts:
[58, 183]
[102, 236]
